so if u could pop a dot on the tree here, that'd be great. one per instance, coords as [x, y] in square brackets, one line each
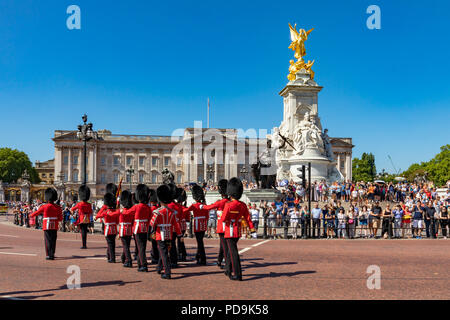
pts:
[438, 168]
[13, 164]
[364, 169]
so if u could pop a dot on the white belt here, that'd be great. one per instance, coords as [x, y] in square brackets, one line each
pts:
[137, 224]
[163, 230]
[232, 227]
[196, 221]
[48, 221]
[107, 225]
[121, 227]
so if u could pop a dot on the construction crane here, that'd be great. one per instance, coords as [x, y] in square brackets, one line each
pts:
[397, 172]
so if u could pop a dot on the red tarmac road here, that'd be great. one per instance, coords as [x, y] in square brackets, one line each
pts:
[274, 269]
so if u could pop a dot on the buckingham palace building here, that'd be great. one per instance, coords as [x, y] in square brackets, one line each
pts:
[198, 155]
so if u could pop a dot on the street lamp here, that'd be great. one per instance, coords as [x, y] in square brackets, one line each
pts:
[85, 133]
[130, 173]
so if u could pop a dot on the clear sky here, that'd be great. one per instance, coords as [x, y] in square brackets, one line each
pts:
[148, 67]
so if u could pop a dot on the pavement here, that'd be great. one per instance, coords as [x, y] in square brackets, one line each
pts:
[272, 269]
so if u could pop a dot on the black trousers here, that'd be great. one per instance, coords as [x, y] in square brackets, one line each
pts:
[84, 232]
[233, 262]
[306, 228]
[434, 227]
[155, 251]
[173, 249]
[427, 227]
[316, 225]
[126, 253]
[163, 261]
[50, 242]
[111, 250]
[181, 247]
[444, 224]
[135, 246]
[141, 241]
[386, 227]
[201, 255]
[222, 249]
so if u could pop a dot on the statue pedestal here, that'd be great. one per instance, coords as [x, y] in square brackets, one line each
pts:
[255, 196]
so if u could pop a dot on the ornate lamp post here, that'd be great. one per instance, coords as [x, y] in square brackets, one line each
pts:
[130, 173]
[85, 133]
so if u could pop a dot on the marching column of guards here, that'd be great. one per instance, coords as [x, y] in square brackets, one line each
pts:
[159, 216]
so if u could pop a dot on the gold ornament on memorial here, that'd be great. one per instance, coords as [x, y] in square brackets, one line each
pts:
[298, 39]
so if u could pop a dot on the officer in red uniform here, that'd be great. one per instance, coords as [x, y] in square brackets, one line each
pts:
[181, 201]
[232, 215]
[154, 253]
[142, 215]
[200, 222]
[219, 205]
[111, 218]
[52, 216]
[84, 212]
[110, 188]
[126, 220]
[164, 226]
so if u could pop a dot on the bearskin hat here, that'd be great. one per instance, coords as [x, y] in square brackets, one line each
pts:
[235, 188]
[109, 200]
[222, 185]
[84, 192]
[181, 195]
[50, 195]
[173, 190]
[111, 188]
[142, 193]
[125, 199]
[164, 194]
[153, 197]
[197, 193]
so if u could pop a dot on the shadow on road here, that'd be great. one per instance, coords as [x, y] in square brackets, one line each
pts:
[193, 274]
[64, 287]
[275, 275]
[266, 264]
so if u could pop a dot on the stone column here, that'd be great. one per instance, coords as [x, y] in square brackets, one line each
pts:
[69, 165]
[348, 163]
[2, 192]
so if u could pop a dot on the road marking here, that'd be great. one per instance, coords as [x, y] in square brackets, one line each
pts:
[8, 235]
[93, 258]
[19, 254]
[252, 246]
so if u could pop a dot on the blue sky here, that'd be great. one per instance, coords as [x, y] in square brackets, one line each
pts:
[148, 67]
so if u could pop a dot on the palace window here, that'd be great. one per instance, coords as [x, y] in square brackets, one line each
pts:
[129, 159]
[75, 160]
[141, 161]
[141, 177]
[179, 175]
[154, 161]
[116, 177]
[154, 177]
[103, 178]
[103, 161]
[116, 160]
[66, 160]
[166, 161]
[75, 176]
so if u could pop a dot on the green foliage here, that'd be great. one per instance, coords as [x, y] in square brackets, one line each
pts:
[364, 169]
[438, 168]
[12, 165]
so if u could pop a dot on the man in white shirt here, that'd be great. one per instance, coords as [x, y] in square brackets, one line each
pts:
[316, 215]
[254, 213]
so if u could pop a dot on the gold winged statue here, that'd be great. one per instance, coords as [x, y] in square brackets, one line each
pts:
[298, 39]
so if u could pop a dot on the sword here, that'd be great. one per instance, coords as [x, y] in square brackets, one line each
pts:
[286, 140]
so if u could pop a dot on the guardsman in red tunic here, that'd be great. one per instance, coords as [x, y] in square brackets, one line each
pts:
[110, 188]
[126, 220]
[178, 211]
[84, 211]
[111, 218]
[219, 205]
[142, 215]
[182, 216]
[154, 253]
[200, 222]
[233, 213]
[164, 226]
[52, 216]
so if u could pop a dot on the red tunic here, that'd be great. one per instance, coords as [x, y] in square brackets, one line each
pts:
[165, 224]
[178, 212]
[201, 216]
[126, 220]
[219, 205]
[52, 215]
[233, 213]
[111, 219]
[142, 216]
[84, 212]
